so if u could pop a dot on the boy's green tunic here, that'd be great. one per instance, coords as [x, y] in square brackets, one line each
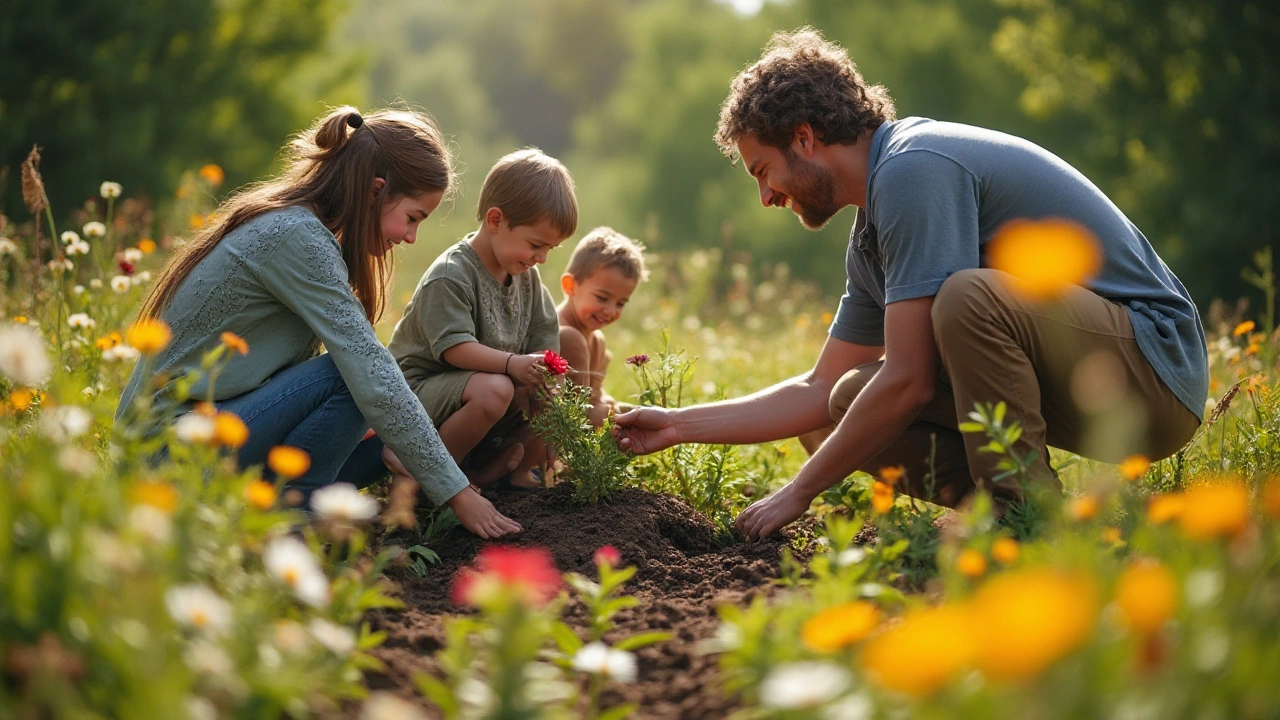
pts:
[459, 301]
[279, 281]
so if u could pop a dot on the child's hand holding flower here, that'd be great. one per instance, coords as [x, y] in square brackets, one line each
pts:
[526, 369]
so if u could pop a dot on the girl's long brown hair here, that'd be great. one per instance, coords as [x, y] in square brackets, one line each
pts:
[330, 169]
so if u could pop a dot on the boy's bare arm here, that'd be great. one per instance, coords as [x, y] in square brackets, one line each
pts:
[787, 409]
[482, 358]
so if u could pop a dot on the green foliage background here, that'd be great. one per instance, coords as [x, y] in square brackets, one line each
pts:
[1168, 106]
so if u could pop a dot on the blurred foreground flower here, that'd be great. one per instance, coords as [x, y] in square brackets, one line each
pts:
[291, 562]
[235, 342]
[1244, 328]
[212, 174]
[229, 430]
[288, 462]
[1005, 550]
[159, 495]
[147, 245]
[1147, 596]
[194, 428]
[1029, 619]
[383, 705]
[971, 563]
[881, 497]
[260, 494]
[921, 654]
[338, 639]
[528, 575]
[1271, 497]
[1134, 467]
[198, 607]
[597, 658]
[342, 501]
[839, 627]
[803, 685]
[1213, 510]
[607, 555]
[1048, 256]
[22, 355]
[149, 336]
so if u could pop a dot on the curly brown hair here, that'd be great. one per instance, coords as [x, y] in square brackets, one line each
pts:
[801, 78]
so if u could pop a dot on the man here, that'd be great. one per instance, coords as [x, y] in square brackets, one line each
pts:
[926, 328]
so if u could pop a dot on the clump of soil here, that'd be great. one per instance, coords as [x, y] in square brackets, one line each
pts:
[681, 578]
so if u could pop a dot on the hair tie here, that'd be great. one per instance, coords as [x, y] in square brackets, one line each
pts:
[355, 121]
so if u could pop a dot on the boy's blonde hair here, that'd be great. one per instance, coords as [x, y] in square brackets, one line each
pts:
[605, 247]
[529, 186]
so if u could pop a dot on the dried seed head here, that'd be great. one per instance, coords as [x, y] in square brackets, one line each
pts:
[32, 184]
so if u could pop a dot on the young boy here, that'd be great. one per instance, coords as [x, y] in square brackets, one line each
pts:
[471, 340]
[603, 272]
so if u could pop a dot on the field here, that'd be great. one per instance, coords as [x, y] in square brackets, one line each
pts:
[188, 588]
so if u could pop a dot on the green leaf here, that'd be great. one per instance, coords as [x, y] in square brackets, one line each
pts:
[642, 639]
[568, 642]
[618, 712]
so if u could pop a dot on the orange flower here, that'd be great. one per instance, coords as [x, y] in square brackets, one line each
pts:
[1049, 256]
[260, 494]
[1006, 550]
[1244, 328]
[1134, 467]
[892, 474]
[1083, 508]
[212, 174]
[839, 627]
[235, 342]
[229, 430]
[971, 563]
[158, 495]
[1163, 508]
[196, 221]
[1215, 510]
[21, 398]
[1147, 596]
[881, 497]
[288, 462]
[149, 336]
[1111, 535]
[1030, 619]
[106, 342]
[1271, 497]
[147, 246]
[921, 654]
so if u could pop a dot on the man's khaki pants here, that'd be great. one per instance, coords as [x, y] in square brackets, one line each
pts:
[1069, 371]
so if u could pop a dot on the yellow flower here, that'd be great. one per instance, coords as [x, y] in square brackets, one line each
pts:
[1134, 467]
[147, 246]
[1252, 349]
[21, 398]
[1111, 535]
[802, 321]
[1049, 257]
[881, 497]
[838, 627]
[1271, 497]
[213, 174]
[1005, 550]
[260, 494]
[196, 221]
[1147, 596]
[1030, 619]
[158, 495]
[106, 342]
[149, 336]
[20, 319]
[892, 474]
[971, 563]
[1244, 328]
[1083, 508]
[229, 430]
[827, 318]
[1163, 508]
[288, 462]
[1215, 510]
[921, 654]
[235, 342]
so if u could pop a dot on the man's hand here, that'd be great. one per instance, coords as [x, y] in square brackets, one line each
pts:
[767, 516]
[526, 369]
[645, 430]
[480, 516]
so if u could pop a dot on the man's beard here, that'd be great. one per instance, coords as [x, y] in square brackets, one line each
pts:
[814, 189]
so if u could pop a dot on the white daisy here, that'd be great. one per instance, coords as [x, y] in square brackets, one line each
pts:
[385, 706]
[70, 236]
[65, 423]
[339, 639]
[198, 607]
[94, 229]
[800, 685]
[121, 283]
[132, 255]
[81, 321]
[194, 428]
[151, 524]
[599, 659]
[59, 265]
[95, 283]
[110, 189]
[22, 355]
[120, 352]
[8, 247]
[342, 501]
[291, 562]
[79, 247]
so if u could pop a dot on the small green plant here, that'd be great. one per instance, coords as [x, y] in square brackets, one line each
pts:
[1025, 516]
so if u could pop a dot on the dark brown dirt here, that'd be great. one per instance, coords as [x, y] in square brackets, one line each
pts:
[681, 578]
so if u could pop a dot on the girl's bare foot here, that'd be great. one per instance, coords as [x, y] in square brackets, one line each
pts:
[507, 459]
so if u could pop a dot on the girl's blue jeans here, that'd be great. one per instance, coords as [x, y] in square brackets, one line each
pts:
[308, 406]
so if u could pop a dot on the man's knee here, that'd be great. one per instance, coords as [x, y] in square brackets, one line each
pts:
[848, 387]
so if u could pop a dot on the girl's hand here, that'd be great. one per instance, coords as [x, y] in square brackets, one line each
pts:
[526, 369]
[480, 516]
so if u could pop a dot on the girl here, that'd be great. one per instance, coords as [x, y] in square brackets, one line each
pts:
[300, 260]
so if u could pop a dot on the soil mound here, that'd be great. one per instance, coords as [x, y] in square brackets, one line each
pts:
[681, 577]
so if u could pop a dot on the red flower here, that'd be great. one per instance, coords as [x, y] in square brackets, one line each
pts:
[528, 573]
[638, 360]
[126, 267]
[555, 364]
[608, 555]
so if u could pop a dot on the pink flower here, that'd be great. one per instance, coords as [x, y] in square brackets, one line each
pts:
[556, 364]
[126, 267]
[608, 555]
[528, 573]
[638, 360]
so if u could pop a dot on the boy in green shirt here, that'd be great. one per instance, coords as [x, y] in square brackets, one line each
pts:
[471, 340]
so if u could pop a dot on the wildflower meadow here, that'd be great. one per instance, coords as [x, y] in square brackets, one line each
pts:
[144, 575]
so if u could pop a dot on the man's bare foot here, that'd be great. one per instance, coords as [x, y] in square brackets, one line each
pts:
[507, 459]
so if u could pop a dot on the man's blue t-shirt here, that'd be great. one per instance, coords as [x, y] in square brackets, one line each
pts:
[938, 191]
